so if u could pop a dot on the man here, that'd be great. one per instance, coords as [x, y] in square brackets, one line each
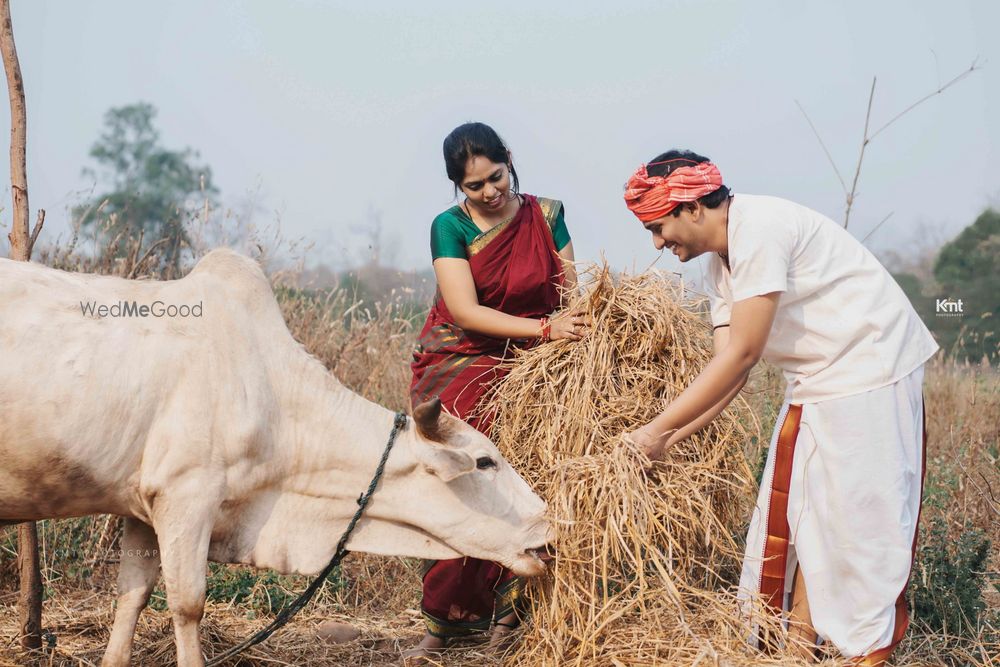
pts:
[831, 540]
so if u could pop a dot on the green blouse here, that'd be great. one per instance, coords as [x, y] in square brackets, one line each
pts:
[452, 232]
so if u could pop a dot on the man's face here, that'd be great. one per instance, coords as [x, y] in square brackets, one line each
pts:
[681, 234]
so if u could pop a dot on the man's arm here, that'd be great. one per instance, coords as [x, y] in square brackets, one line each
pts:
[720, 339]
[720, 380]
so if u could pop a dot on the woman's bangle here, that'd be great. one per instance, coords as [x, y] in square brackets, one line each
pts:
[546, 330]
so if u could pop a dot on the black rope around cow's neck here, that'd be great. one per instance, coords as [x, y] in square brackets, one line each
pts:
[286, 614]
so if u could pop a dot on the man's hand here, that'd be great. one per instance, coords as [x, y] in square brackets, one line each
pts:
[649, 442]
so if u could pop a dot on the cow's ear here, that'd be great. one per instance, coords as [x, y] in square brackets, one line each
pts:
[447, 463]
[427, 417]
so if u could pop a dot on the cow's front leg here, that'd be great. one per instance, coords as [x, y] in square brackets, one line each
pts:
[140, 565]
[184, 532]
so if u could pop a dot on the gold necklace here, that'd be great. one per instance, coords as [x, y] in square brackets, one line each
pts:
[468, 213]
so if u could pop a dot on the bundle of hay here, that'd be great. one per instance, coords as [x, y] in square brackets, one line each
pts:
[648, 555]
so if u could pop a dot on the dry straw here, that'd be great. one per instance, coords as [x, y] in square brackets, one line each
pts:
[648, 553]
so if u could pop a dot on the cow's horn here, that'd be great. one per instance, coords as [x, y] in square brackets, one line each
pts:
[426, 416]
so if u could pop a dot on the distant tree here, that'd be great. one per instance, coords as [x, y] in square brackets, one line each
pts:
[914, 290]
[968, 268]
[148, 189]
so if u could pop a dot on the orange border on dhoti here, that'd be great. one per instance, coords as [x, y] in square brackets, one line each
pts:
[772, 571]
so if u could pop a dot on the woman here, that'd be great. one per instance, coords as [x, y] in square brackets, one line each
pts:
[502, 260]
[831, 541]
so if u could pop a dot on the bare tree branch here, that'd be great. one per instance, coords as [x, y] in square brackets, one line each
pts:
[875, 229]
[38, 226]
[861, 156]
[972, 68]
[823, 146]
[852, 194]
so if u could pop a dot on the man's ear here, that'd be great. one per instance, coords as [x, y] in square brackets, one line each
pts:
[444, 462]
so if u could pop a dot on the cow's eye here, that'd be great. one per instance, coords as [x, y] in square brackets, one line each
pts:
[484, 462]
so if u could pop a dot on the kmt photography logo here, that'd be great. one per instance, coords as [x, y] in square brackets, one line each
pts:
[134, 309]
[949, 308]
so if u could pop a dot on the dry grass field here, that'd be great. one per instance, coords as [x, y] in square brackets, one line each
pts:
[631, 609]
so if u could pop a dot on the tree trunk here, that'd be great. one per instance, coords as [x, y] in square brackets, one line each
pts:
[21, 242]
[29, 602]
[20, 238]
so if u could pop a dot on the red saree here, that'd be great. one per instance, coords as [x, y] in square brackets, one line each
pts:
[517, 271]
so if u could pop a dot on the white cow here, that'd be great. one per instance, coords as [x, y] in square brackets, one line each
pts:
[188, 408]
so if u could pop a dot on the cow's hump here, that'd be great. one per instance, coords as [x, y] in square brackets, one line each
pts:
[235, 274]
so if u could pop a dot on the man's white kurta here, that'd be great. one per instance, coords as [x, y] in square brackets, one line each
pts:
[843, 325]
[852, 350]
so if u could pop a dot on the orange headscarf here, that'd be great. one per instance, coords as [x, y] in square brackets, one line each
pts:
[652, 197]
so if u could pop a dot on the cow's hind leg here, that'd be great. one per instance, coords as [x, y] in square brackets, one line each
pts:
[185, 531]
[140, 566]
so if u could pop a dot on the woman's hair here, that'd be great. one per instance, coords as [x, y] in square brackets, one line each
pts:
[470, 140]
[664, 163]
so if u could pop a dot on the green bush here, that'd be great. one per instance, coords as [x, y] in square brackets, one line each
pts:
[946, 590]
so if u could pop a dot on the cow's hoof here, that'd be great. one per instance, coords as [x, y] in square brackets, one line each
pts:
[334, 632]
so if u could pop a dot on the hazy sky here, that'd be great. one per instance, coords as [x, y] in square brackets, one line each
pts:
[331, 110]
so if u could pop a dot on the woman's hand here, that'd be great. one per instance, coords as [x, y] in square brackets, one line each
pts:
[571, 325]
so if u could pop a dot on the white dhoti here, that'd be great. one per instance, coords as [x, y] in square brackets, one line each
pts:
[851, 492]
